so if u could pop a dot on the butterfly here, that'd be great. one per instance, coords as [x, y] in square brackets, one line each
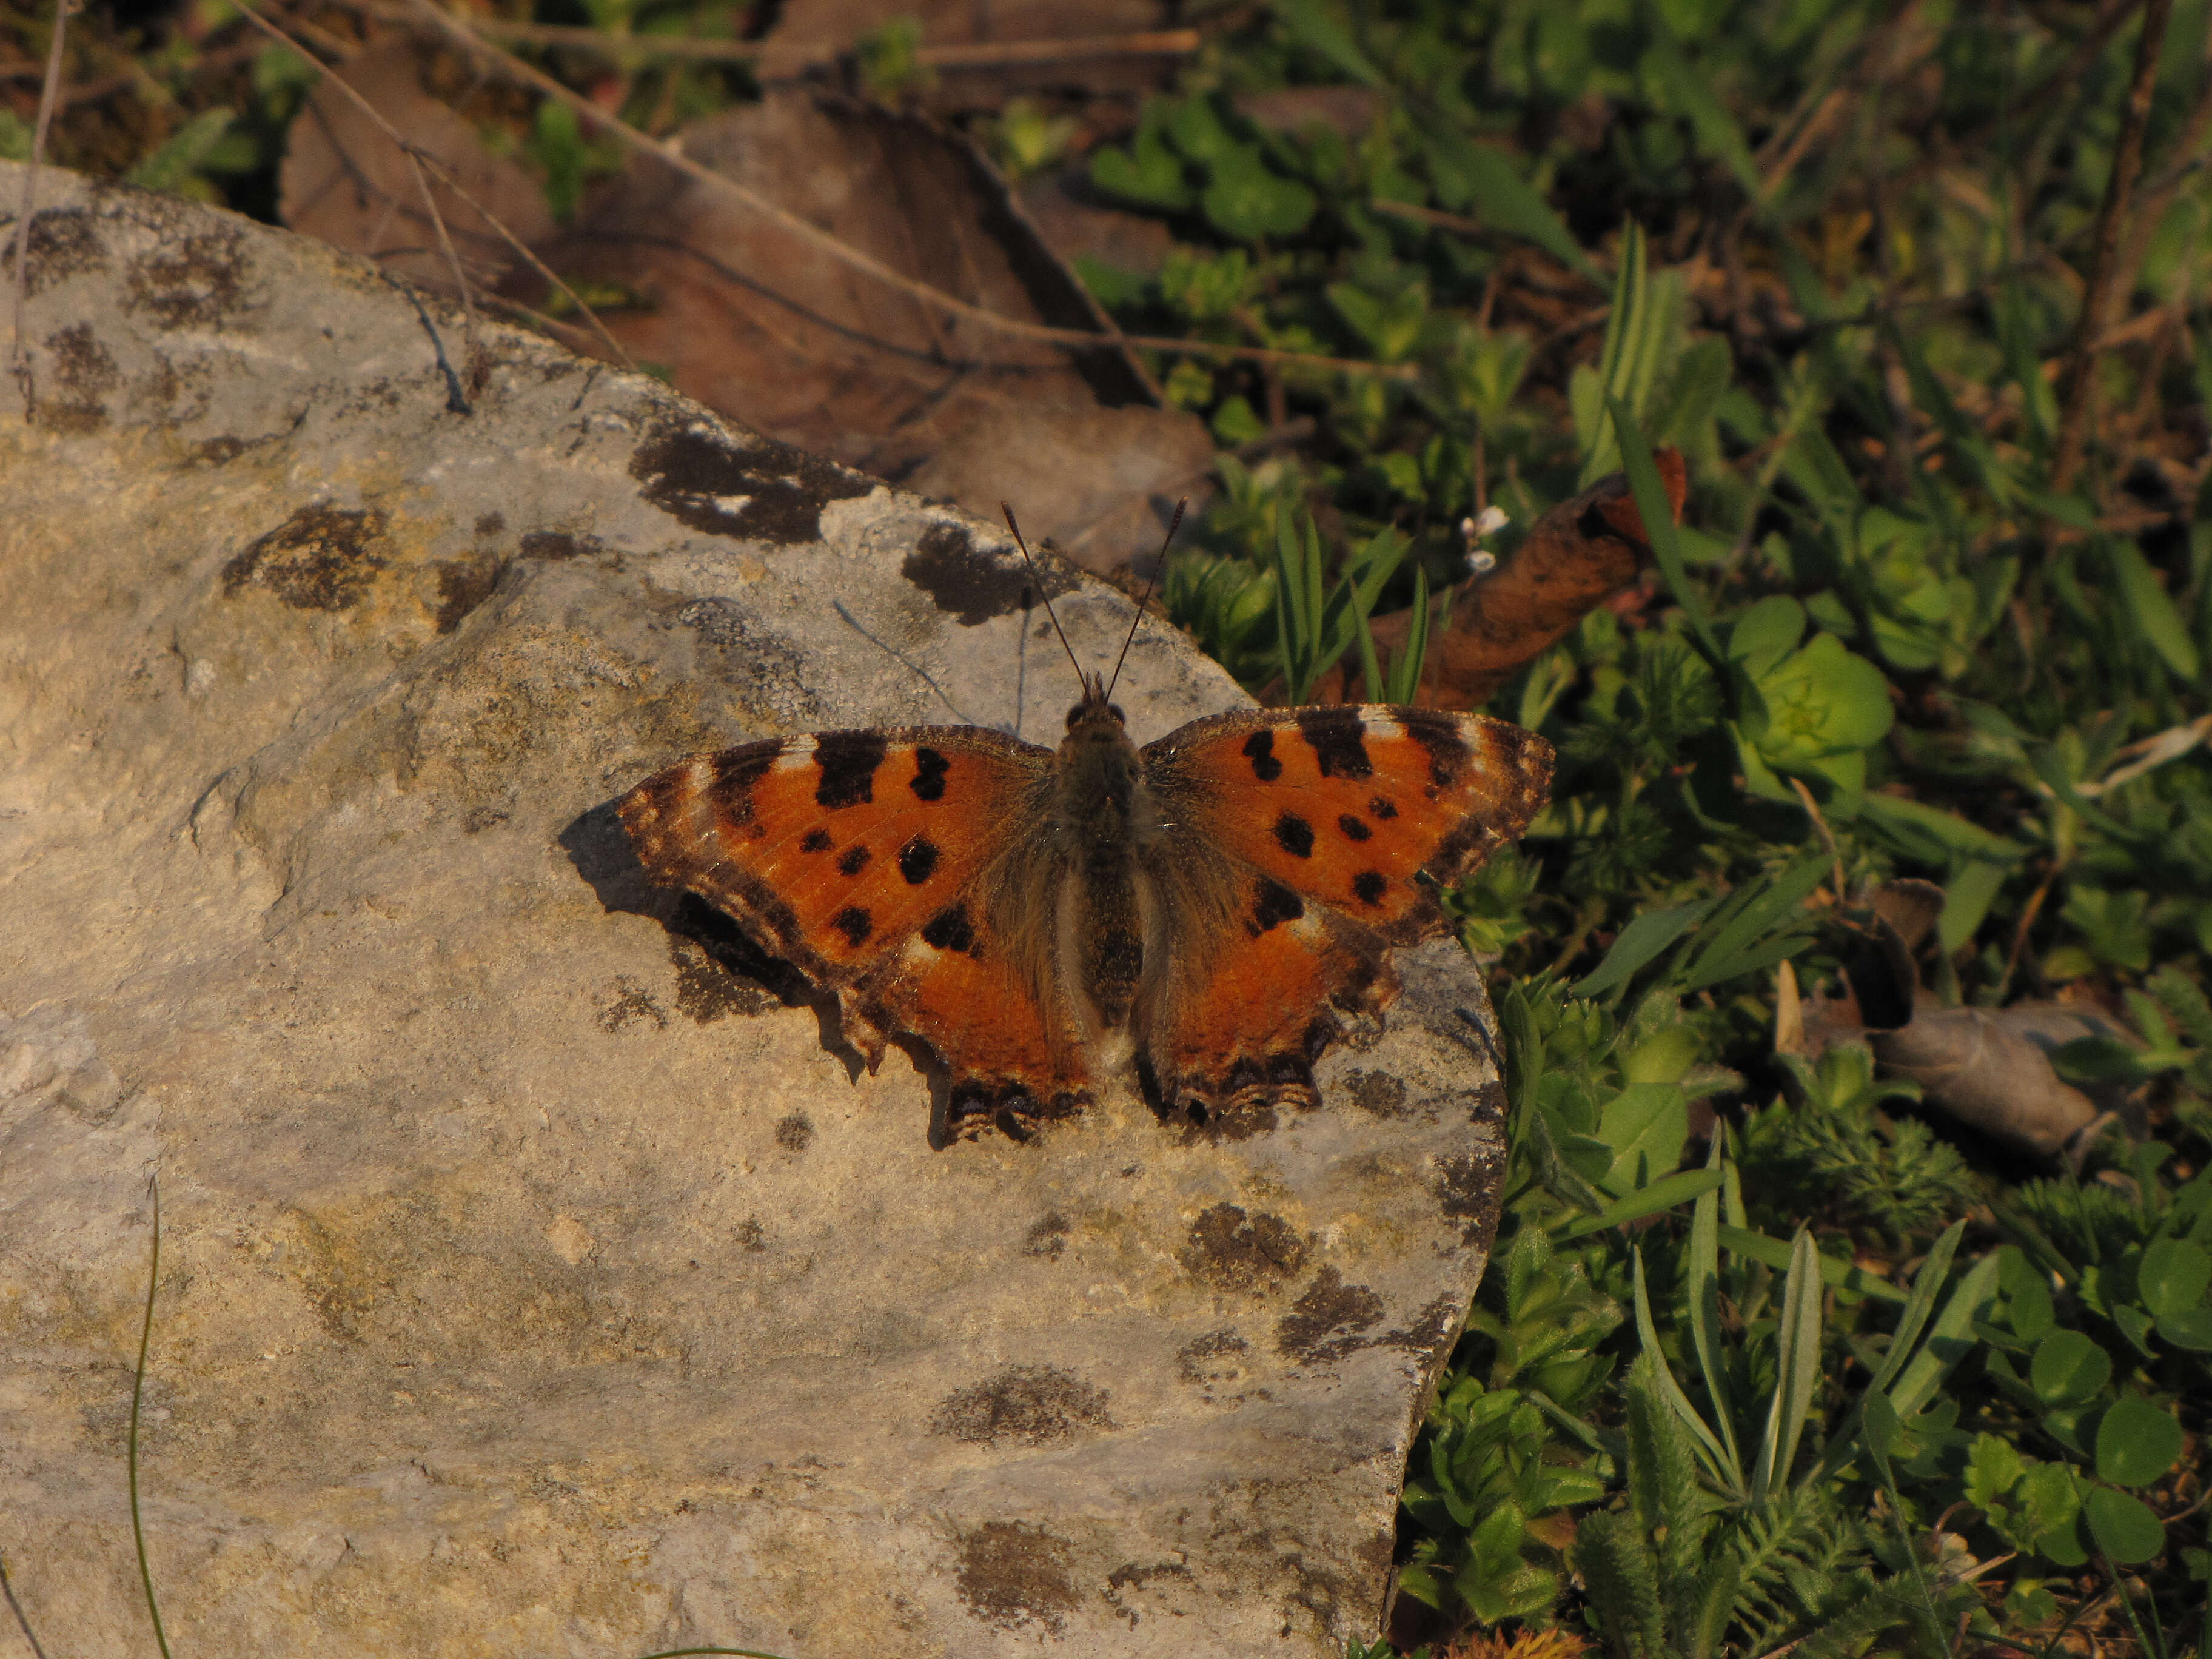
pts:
[1209, 912]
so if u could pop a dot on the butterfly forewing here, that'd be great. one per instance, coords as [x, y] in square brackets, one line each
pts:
[837, 847]
[1364, 810]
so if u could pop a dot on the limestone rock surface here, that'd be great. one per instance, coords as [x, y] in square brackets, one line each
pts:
[535, 1277]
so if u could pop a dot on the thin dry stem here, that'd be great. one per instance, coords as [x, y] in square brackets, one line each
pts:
[773, 58]
[2112, 215]
[19, 246]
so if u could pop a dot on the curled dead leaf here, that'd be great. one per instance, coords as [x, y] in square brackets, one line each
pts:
[1576, 557]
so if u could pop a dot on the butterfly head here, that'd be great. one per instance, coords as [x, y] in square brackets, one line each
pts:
[1096, 720]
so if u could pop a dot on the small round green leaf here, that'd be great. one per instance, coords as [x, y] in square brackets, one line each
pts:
[2124, 1529]
[2173, 1275]
[2067, 1367]
[2136, 1442]
[2190, 1328]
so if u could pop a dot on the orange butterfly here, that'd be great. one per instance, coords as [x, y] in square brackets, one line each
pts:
[1213, 909]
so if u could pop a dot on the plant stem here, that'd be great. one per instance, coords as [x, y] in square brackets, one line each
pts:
[2127, 162]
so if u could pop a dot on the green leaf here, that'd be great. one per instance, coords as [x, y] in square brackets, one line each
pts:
[1663, 1193]
[1879, 1422]
[2125, 1528]
[181, 158]
[2155, 616]
[1711, 1453]
[2173, 1275]
[1658, 515]
[1691, 94]
[1841, 1275]
[1950, 1338]
[2189, 1329]
[1321, 34]
[1148, 172]
[2068, 1368]
[1638, 943]
[2136, 1442]
[1478, 175]
[1645, 1124]
[1797, 1366]
[1926, 1283]
[1244, 200]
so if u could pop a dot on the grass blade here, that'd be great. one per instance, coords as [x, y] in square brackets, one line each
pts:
[1704, 1264]
[137, 1397]
[1709, 1449]
[1797, 1366]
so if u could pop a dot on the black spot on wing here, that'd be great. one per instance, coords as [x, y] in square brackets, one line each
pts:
[854, 923]
[1296, 835]
[1338, 740]
[1273, 904]
[950, 929]
[1440, 736]
[848, 760]
[1381, 808]
[917, 859]
[816, 841]
[1356, 828]
[929, 769]
[1261, 748]
[1368, 886]
[853, 859]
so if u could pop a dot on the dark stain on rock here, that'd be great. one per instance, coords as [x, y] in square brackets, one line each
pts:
[1011, 1574]
[762, 490]
[557, 545]
[1231, 1251]
[463, 585]
[195, 278]
[490, 525]
[751, 1235]
[1490, 1104]
[84, 373]
[1217, 1357]
[1324, 1324]
[1130, 1576]
[761, 664]
[63, 243]
[478, 819]
[1028, 1405]
[1378, 1094]
[1433, 1330]
[720, 972]
[321, 558]
[629, 1002]
[1466, 1193]
[969, 585]
[1047, 1237]
[794, 1134]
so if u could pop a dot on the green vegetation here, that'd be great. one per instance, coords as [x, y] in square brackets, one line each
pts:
[1771, 1350]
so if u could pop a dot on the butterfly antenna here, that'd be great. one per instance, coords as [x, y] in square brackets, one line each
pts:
[1041, 594]
[1153, 582]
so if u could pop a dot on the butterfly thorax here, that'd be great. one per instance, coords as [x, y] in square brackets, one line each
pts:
[1100, 807]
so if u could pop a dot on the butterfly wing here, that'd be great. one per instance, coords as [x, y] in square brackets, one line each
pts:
[1326, 834]
[862, 858]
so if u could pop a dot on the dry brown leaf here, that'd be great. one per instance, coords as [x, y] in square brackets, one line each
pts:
[766, 327]
[1576, 557]
[344, 181]
[1990, 1068]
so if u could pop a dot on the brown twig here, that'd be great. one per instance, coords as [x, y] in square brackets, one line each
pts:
[19, 246]
[421, 160]
[2127, 162]
[1827, 835]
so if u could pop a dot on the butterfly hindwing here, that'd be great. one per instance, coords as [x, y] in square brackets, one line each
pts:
[1364, 810]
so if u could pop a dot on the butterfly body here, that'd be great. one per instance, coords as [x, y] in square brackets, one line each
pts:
[1210, 911]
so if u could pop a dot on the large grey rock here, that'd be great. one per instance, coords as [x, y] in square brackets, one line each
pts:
[532, 1283]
